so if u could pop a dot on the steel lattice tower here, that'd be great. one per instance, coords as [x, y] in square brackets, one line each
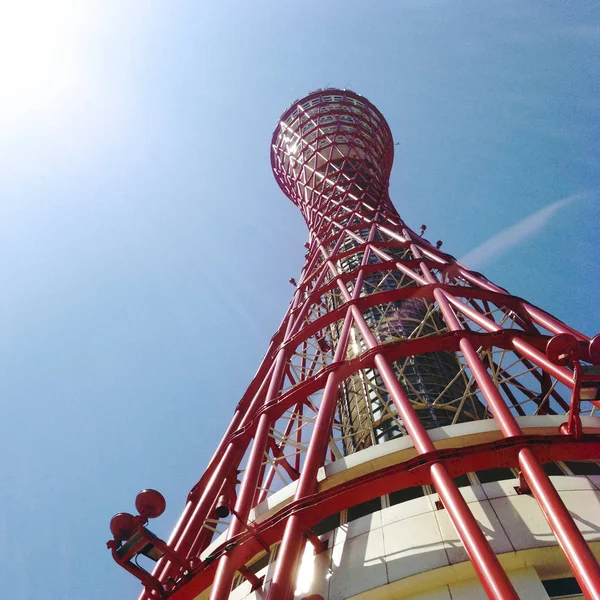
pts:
[394, 368]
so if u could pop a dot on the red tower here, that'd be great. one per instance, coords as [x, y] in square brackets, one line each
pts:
[398, 381]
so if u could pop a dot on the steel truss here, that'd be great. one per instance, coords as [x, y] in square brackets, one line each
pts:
[376, 305]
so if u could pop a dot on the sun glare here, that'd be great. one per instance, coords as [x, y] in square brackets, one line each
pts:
[45, 47]
[66, 91]
[306, 570]
[35, 67]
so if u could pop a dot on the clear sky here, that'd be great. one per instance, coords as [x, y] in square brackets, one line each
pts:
[145, 248]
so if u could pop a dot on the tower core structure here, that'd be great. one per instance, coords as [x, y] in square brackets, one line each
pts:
[397, 387]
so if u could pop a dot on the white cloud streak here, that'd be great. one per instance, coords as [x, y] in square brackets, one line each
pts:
[515, 234]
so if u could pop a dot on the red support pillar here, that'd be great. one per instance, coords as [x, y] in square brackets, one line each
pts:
[580, 557]
[332, 154]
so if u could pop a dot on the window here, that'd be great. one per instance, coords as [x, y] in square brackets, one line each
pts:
[405, 495]
[561, 589]
[583, 468]
[462, 480]
[366, 126]
[388, 428]
[327, 524]
[552, 469]
[496, 474]
[366, 508]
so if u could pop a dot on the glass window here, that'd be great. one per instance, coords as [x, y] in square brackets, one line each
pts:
[366, 508]
[583, 468]
[552, 469]
[405, 495]
[496, 474]
[327, 524]
[566, 587]
[462, 480]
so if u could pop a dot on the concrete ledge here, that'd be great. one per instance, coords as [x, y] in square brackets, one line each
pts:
[401, 449]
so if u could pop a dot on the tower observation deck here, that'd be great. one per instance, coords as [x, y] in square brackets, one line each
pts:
[413, 431]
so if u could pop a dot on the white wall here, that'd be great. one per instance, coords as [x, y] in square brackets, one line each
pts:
[411, 549]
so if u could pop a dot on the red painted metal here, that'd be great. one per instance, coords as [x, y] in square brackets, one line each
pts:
[150, 504]
[412, 472]
[372, 298]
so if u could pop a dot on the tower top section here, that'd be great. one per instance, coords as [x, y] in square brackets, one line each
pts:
[331, 142]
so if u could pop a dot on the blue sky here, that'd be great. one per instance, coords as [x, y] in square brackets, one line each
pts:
[145, 248]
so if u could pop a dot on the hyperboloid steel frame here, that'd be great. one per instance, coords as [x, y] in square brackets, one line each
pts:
[332, 154]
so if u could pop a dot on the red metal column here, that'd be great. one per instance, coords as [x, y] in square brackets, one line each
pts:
[332, 154]
[293, 540]
[226, 569]
[491, 574]
[580, 557]
[487, 566]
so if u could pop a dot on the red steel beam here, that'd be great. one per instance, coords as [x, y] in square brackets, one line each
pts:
[339, 177]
